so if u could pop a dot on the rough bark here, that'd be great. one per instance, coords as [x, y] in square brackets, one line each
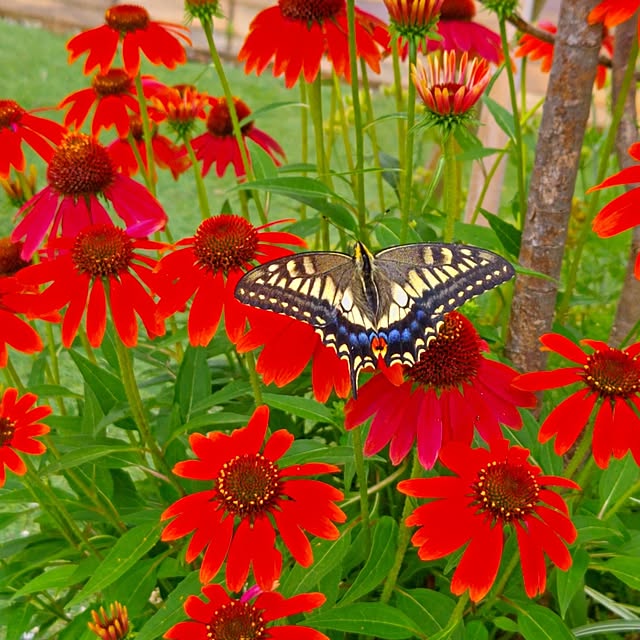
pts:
[564, 118]
[628, 309]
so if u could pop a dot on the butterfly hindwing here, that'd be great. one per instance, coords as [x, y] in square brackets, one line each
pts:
[390, 305]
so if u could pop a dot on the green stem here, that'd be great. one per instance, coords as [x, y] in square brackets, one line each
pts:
[13, 377]
[344, 127]
[304, 136]
[605, 154]
[138, 412]
[582, 450]
[254, 379]
[405, 212]
[314, 96]
[149, 172]
[499, 586]
[404, 536]
[357, 120]
[373, 136]
[207, 26]
[397, 85]
[203, 199]
[361, 473]
[517, 127]
[451, 201]
[47, 499]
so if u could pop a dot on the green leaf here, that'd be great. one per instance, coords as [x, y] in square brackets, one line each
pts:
[263, 165]
[302, 407]
[615, 480]
[510, 237]
[540, 623]
[503, 117]
[127, 550]
[90, 453]
[55, 578]
[309, 191]
[625, 568]
[327, 554]
[367, 619]
[569, 582]
[272, 106]
[620, 628]
[379, 562]
[430, 609]
[107, 387]
[193, 383]
[592, 528]
[172, 610]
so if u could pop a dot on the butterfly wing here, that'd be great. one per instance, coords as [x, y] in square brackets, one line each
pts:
[419, 283]
[322, 289]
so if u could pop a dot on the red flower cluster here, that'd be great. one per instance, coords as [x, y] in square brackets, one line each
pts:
[609, 386]
[234, 519]
[491, 491]
[450, 391]
[19, 426]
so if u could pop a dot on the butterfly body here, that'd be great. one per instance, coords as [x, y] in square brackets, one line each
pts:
[367, 307]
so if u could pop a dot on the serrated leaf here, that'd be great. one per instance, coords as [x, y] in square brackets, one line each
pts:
[172, 610]
[127, 550]
[367, 619]
[302, 407]
[379, 562]
[327, 554]
[510, 237]
[539, 623]
[569, 582]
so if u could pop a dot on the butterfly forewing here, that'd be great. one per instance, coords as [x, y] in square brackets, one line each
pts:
[422, 282]
[390, 305]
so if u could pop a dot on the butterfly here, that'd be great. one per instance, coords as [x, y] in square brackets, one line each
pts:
[390, 305]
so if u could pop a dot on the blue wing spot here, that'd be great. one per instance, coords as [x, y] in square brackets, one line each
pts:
[363, 339]
[394, 336]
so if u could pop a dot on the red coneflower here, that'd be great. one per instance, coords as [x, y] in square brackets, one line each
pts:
[80, 172]
[157, 40]
[623, 212]
[612, 12]
[296, 34]
[17, 125]
[452, 390]
[208, 266]
[19, 426]
[218, 145]
[101, 267]
[224, 617]
[14, 331]
[609, 386]
[449, 86]
[166, 155]
[113, 93]
[250, 497]
[492, 491]
[287, 347]
[457, 30]
[181, 106]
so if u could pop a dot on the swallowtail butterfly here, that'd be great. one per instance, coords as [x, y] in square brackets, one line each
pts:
[389, 305]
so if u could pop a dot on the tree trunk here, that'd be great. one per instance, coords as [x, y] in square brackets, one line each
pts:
[628, 310]
[564, 118]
